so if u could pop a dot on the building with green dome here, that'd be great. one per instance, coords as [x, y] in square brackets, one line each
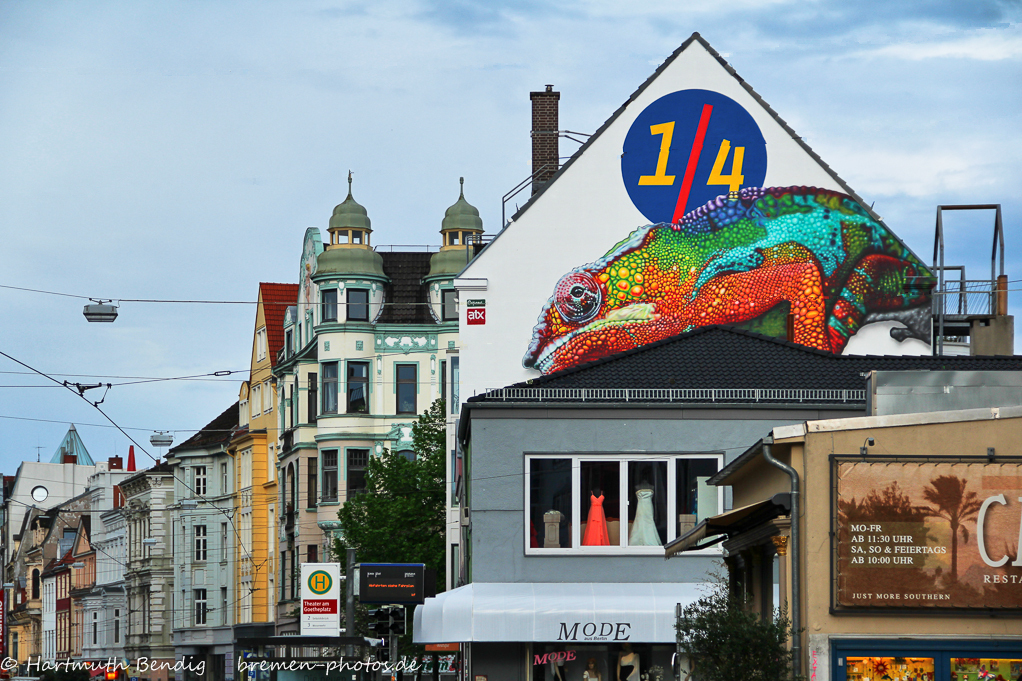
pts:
[370, 343]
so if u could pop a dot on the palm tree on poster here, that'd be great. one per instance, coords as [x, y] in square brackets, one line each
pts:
[955, 505]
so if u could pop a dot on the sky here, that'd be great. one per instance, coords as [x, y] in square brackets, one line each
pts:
[179, 150]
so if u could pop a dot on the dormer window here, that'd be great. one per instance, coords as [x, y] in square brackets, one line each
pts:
[449, 305]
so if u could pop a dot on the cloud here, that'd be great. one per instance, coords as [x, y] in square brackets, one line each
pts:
[985, 44]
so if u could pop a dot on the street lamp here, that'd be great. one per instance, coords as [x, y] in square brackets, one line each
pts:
[99, 311]
[161, 438]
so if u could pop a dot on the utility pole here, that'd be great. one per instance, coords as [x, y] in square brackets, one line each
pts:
[349, 604]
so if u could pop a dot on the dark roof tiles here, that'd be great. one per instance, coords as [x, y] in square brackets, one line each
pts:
[407, 296]
[724, 357]
[216, 432]
[276, 299]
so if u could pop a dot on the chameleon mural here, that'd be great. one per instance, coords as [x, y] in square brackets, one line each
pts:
[748, 262]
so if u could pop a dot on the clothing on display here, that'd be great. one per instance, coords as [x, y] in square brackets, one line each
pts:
[644, 532]
[596, 526]
[557, 669]
[629, 664]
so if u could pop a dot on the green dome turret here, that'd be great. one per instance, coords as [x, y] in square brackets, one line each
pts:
[350, 223]
[461, 222]
[462, 216]
[349, 262]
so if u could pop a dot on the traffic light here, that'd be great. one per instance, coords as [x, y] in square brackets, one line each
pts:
[396, 624]
[389, 619]
[379, 621]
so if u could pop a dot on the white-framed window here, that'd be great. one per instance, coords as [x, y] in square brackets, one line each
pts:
[223, 543]
[267, 397]
[261, 344]
[200, 606]
[606, 504]
[256, 399]
[200, 542]
[245, 469]
[223, 479]
[200, 481]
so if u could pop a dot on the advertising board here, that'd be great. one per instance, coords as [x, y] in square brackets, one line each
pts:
[321, 595]
[919, 534]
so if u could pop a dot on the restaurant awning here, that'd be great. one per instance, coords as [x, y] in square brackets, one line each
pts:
[578, 612]
[728, 523]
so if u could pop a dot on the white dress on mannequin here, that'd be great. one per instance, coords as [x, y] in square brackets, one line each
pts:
[644, 532]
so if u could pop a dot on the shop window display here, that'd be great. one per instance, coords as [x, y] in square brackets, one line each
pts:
[985, 669]
[604, 662]
[550, 514]
[620, 504]
[890, 669]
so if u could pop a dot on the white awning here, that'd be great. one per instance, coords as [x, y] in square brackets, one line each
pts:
[641, 613]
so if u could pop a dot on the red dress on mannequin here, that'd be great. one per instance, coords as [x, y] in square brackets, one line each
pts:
[596, 525]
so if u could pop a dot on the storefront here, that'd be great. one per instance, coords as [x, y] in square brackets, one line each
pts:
[560, 631]
[915, 573]
[957, 659]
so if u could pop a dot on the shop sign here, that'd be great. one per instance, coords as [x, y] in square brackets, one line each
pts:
[475, 311]
[559, 656]
[321, 592]
[912, 534]
[594, 631]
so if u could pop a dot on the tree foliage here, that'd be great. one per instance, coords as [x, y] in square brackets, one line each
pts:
[724, 638]
[400, 516]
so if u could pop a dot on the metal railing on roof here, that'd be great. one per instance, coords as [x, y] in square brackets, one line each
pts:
[701, 395]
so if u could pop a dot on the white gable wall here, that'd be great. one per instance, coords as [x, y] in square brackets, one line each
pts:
[587, 210]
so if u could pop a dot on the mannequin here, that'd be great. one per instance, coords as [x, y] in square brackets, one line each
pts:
[596, 526]
[557, 668]
[627, 664]
[644, 532]
[591, 673]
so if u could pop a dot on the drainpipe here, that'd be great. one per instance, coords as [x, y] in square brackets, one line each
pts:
[796, 557]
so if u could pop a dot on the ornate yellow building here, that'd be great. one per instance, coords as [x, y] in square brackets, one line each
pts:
[254, 448]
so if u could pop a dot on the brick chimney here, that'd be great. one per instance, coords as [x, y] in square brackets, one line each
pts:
[545, 157]
[69, 458]
[116, 463]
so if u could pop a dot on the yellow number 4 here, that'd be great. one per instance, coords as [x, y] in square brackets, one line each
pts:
[661, 177]
[735, 179]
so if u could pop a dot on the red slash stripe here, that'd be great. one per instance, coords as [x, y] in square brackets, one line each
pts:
[693, 161]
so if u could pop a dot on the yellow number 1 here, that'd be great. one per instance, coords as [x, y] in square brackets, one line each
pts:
[667, 130]
[735, 179]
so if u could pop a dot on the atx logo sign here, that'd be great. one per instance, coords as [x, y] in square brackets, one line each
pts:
[476, 311]
[320, 582]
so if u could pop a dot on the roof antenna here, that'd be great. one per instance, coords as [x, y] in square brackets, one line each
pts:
[37, 448]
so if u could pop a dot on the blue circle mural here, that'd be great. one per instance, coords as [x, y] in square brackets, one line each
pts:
[687, 148]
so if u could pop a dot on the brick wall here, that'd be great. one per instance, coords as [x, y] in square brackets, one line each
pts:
[544, 136]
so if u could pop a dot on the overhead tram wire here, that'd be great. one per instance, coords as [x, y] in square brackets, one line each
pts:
[228, 515]
[189, 302]
[252, 590]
